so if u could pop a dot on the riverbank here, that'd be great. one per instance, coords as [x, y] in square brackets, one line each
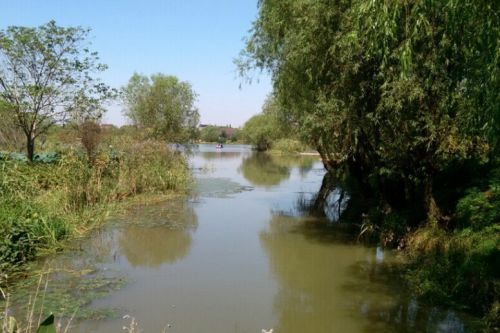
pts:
[450, 262]
[44, 204]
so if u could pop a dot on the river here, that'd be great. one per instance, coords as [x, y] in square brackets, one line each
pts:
[239, 255]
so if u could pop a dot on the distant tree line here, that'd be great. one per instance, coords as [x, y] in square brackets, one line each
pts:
[220, 134]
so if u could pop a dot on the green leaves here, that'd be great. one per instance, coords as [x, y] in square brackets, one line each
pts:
[163, 104]
[47, 326]
[45, 75]
[405, 86]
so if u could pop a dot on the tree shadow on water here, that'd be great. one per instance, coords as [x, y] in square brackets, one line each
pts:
[261, 170]
[158, 234]
[330, 282]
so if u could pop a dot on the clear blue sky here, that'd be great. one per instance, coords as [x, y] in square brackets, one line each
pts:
[196, 40]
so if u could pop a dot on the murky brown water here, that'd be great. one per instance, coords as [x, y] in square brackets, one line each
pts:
[240, 257]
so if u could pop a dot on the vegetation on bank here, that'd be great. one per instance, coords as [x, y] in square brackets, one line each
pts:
[43, 204]
[50, 94]
[401, 101]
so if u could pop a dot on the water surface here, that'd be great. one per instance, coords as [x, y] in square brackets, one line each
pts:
[241, 255]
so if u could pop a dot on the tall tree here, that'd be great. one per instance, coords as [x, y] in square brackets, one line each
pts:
[163, 104]
[47, 76]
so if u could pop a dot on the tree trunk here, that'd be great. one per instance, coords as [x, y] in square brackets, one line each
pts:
[327, 163]
[433, 211]
[318, 206]
[30, 145]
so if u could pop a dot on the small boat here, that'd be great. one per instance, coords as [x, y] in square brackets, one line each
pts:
[219, 146]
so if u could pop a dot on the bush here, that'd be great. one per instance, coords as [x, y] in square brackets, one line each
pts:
[459, 263]
[458, 267]
[480, 209]
[26, 229]
[90, 137]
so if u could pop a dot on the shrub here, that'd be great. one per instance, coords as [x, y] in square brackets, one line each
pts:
[288, 146]
[480, 209]
[90, 136]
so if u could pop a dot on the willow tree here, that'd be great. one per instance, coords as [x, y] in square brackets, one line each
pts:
[439, 66]
[47, 77]
[162, 104]
[392, 91]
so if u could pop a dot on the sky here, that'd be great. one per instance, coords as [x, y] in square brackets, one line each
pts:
[195, 40]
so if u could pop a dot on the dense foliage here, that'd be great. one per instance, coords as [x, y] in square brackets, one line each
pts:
[220, 134]
[400, 98]
[392, 90]
[210, 134]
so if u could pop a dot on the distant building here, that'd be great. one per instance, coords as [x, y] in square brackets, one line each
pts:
[228, 132]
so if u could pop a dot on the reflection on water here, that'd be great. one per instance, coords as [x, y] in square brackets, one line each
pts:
[153, 246]
[304, 164]
[213, 155]
[157, 234]
[330, 201]
[266, 170]
[261, 170]
[310, 275]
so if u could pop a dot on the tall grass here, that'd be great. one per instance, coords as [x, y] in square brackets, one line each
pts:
[42, 204]
[36, 319]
